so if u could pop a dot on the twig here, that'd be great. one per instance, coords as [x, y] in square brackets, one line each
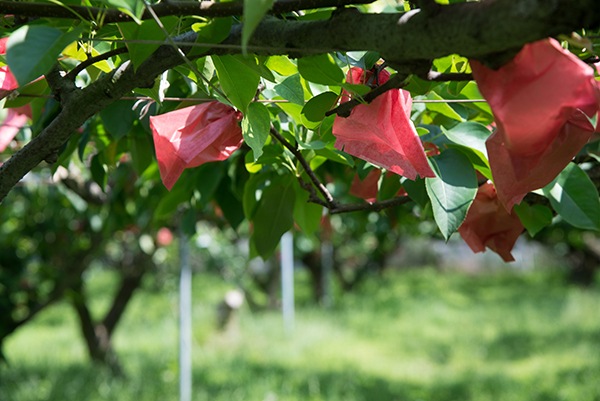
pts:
[344, 109]
[331, 202]
[374, 207]
[334, 206]
[181, 53]
[92, 60]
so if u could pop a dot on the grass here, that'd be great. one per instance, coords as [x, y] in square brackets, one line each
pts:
[411, 335]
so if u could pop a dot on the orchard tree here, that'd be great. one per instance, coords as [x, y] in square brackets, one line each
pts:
[278, 110]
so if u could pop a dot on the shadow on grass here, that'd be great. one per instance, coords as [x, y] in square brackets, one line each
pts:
[239, 379]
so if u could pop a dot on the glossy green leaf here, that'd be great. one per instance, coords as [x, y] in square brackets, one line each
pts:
[452, 190]
[255, 127]
[135, 8]
[252, 62]
[534, 217]
[214, 31]
[147, 30]
[254, 11]
[274, 216]
[249, 201]
[389, 187]
[442, 108]
[238, 81]
[230, 205]
[118, 118]
[574, 196]
[39, 87]
[471, 134]
[320, 69]
[291, 89]
[291, 109]
[416, 190]
[306, 214]
[281, 65]
[32, 50]
[314, 110]
[141, 151]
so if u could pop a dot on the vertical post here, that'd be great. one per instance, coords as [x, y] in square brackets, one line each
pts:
[326, 271]
[287, 281]
[185, 320]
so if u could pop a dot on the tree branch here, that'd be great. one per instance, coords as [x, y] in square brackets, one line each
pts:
[334, 206]
[344, 109]
[473, 29]
[331, 202]
[208, 9]
[93, 60]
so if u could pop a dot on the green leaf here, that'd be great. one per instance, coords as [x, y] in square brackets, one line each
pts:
[253, 63]
[442, 108]
[314, 110]
[135, 8]
[214, 31]
[362, 59]
[306, 214]
[274, 216]
[534, 217]
[320, 69]
[141, 151]
[169, 203]
[255, 127]
[452, 190]
[254, 11]
[291, 109]
[336, 156]
[39, 87]
[416, 190]
[574, 196]
[249, 201]
[281, 65]
[390, 185]
[98, 171]
[207, 178]
[238, 81]
[230, 205]
[470, 134]
[31, 51]
[118, 118]
[291, 89]
[147, 30]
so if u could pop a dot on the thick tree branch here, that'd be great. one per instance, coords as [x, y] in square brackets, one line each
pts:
[208, 9]
[480, 30]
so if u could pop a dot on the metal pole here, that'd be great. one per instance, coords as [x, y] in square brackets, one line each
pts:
[287, 281]
[326, 271]
[185, 320]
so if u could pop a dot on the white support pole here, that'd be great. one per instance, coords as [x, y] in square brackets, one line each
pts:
[287, 281]
[185, 320]
[326, 272]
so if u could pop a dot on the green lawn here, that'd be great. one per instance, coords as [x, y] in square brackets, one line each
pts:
[412, 335]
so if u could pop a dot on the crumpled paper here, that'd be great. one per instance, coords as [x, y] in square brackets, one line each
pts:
[381, 132]
[538, 100]
[15, 120]
[489, 224]
[193, 136]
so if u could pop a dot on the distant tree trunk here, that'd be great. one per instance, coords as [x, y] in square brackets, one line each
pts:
[98, 335]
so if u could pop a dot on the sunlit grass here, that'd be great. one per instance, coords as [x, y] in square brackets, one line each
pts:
[411, 335]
